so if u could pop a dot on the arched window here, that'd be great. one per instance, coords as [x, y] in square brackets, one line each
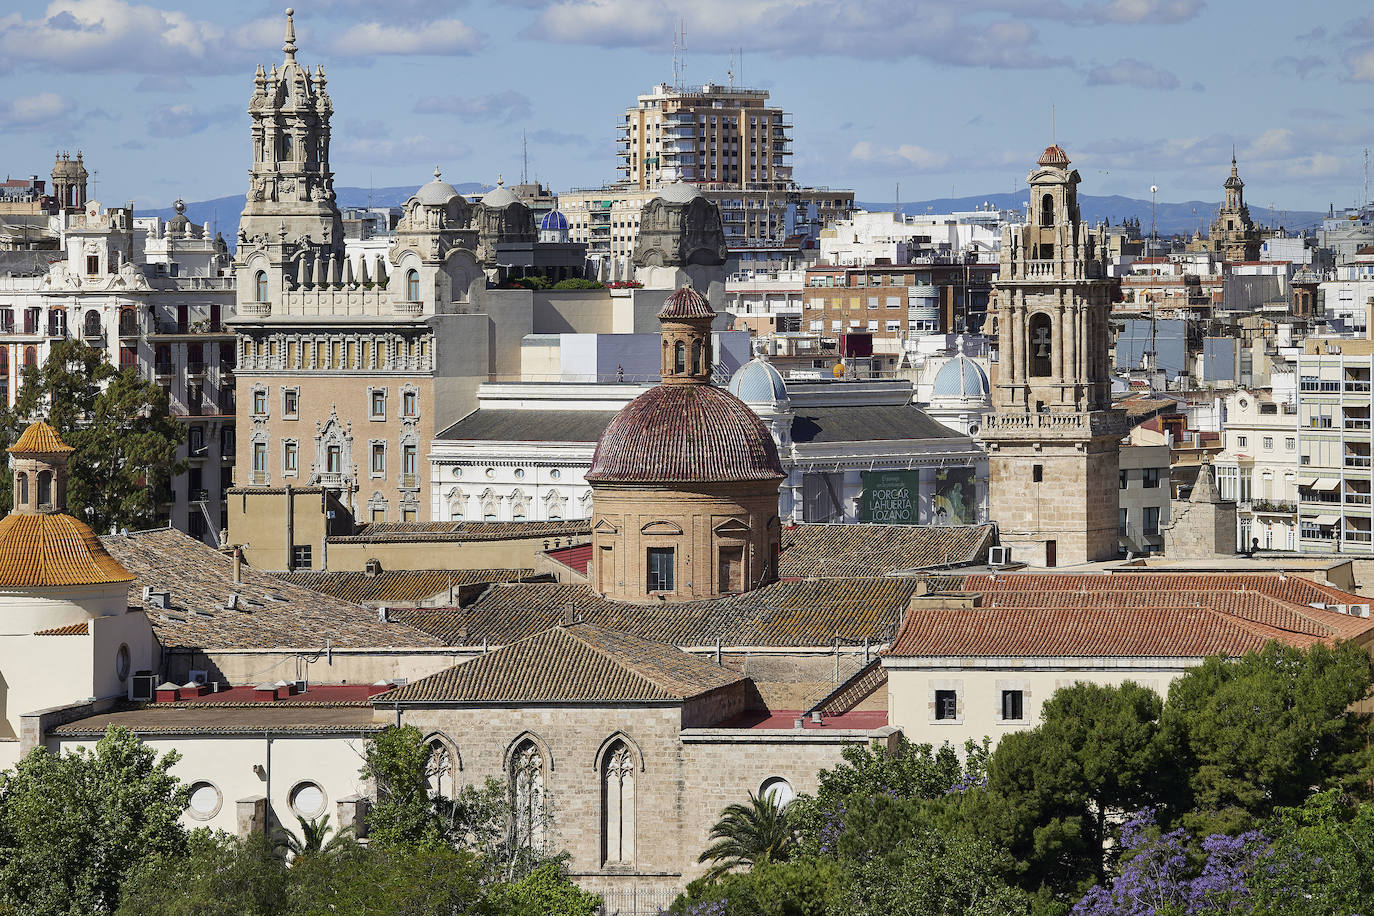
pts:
[696, 357]
[439, 775]
[91, 327]
[1047, 210]
[23, 497]
[44, 489]
[412, 286]
[1040, 345]
[262, 286]
[618, 805]
[30, 356]
[680, 358]
[285, 147]
[527, 790]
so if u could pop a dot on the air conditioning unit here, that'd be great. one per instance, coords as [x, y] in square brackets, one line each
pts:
[1359, 610]
[142, 687]
[999, 556]
[301, 686]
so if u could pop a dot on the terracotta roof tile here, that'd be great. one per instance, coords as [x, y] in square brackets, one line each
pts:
[72, 629]
[40, 438]
[686, 302]
[578, 663]
[465, 531]
[53, 550]
[238, 719]
[842, 551]
[400, 584]
[271, 614]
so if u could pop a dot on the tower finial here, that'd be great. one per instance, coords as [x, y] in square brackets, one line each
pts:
[289, 45]
[436, 173]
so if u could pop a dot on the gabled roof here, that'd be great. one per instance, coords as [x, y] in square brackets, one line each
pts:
[866, 423]
[398, 584]
[842, 551]
[578, 663]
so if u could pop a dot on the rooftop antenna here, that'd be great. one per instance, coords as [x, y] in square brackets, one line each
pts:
[730, 74]
[524, 159]
[1366, 175]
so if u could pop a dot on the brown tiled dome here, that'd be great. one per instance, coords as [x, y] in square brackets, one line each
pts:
[1054, 155]
[686, 302]
[685, 433]
[54, 549]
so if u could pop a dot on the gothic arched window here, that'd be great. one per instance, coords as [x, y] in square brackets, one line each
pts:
[91, 328]
[1047, 210]
[261, 291]
[412, 286]
[680, 358]
[527, 789]
[439, 775]
[1040, 345]
[618, 805]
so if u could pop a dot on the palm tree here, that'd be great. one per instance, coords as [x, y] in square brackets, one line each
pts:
[313, 840]
[750, 834]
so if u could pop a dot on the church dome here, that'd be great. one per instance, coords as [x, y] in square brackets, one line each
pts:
[53, 550]
[554, 221]
[758, 382]
[685, 433]
[1054, 155]
[500, 196]
[680, 192]
[686, 302]
[179, 223]
[436, 193]
[961, 377]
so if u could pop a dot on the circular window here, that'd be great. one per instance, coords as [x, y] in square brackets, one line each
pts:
[555, 474]
[491, 472]
[122, 662]
[778, 790]
[519, 473]
[457, 472]
[205, 801]
[973, 429]
[307, 800]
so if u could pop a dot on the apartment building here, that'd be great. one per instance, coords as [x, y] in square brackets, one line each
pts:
[1259, 468]
[1334, 446]
[766, 302]
[1143, 500]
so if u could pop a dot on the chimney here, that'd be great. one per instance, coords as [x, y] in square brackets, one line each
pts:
[383, 615]
[815, 717]
[569, 615]
[236, 565]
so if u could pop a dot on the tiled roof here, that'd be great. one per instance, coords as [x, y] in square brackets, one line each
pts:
[41, 438]
[866, 423]
[683, 433]
[577, 558]
[272, 614]
[490, 425]
[686, 302]
[1054, 155]
[784, 614]
[838, 551]
[581, 662]
[377, 532]
[399, 584]
[54, 550]
[72, 629]
[1131, 614]
[237, 719]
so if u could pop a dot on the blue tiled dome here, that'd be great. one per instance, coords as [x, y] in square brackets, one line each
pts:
[757, 381]
[554, 221]
[961, 377]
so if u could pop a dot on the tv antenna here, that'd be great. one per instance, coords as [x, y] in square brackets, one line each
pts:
[730, 74]
[524, 159]
[679, 53]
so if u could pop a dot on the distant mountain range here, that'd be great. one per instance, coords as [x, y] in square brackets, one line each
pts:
[1170, 218]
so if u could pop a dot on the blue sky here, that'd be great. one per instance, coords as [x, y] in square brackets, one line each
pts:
[939, 96]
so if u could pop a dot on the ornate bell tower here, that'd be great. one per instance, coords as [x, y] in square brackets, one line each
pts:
[1053, 438]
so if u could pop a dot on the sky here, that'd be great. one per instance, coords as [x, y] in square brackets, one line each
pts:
[939, 98]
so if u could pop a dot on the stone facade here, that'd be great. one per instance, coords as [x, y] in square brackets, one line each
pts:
[1053, 438]
[1203, 525]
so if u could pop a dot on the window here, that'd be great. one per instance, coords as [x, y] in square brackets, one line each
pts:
[407, 515]
[660, 569]
[1037, 473]
[1013, 705]
[1124, 518]
[527, 789]
[92, 263]
[377, 404]
[23, 489]
[300, 556]
[261, 286]
[409, 406]
[731, 573]
[378, 514]
[290, 402]
[679, 358]
[407, 459]
[1150, 477]
[618, 805]
[1151, 527]
[195, 440]
[1290, 443]
[946, 705]
[412, 286]
[204, 802]
[288, 457]
[1241, 442]
[1040, 337]
[259, 402]
[378, 458]
[333, 460]
[307, 799]
[259, 456]
[1268, 443]
[1123, 476]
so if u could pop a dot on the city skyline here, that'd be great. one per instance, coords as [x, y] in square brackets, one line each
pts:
[1144, 92]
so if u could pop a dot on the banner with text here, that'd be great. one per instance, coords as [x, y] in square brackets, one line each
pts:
[890, 497]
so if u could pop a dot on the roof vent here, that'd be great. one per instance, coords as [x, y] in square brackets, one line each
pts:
[231, 603]
[384, 615]
[156, 598]
[374, 568]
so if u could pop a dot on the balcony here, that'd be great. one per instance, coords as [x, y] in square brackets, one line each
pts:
[1356, 424]
[200, 496]
[195, 368]
[259, 478]
[1273, 507]
[196, 408]
[1357, 499]
[410, 481]
[93, 334]
[1357, 537]
[1357, 461]
[164, 370]
[1357, 387]
[225, 402]
[128, 329]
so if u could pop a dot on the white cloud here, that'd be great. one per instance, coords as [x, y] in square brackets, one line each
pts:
[1132, 72]
[381, 149]
[903, 157]
[498, 106]
[34, 111]
[1144, 11]
[183, 120]
[1361, 63]
[441, 37]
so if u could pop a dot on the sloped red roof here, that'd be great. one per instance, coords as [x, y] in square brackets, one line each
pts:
[1054, 155]
[578, 558]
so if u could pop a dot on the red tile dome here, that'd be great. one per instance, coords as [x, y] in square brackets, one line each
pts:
[1054, 155]
[685, 433]
[686, 302]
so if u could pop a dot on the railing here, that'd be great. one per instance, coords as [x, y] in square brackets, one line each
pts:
[259, 478]
[200, 496]
[164, 369]
[195, 368]
[1319, 496]
[1275, 507]
[1359, 537]
[1357, 424]
[196, 408]
[1357, 461]
[410, 480]
[1357, 499]
[226, 452]
[1356, 386]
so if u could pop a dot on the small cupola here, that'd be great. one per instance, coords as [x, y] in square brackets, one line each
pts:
[39, 461]
[685, 323]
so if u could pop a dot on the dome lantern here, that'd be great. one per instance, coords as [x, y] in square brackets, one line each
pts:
[40, 470]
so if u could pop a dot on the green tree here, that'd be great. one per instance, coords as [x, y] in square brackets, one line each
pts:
[1262, 731]
[1053, 792]
[392, 881]
[750, 833]
[314, 840]
[545, 890]
[1322, 862]
[398, 761]
[800, 887]
[72, 826]
[215, 875]
[125, 439]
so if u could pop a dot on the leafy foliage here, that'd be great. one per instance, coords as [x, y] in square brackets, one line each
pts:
[546, 889]
[215, 875]
[314, 840]
[73, 826]
[803, 887]
[398, 762]
[750, 833]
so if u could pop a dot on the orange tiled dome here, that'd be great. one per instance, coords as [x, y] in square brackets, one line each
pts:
[54, 549]
[1054, 155]
[41, 438]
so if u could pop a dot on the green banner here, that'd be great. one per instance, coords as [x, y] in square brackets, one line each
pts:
[890, 497]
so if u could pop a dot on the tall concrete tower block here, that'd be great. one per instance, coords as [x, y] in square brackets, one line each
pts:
[1052, 436]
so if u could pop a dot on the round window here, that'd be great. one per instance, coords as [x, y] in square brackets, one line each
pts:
[307, 800]
[205, 801]
[457, 472]
[555, 474]
[122, 662]
[519, 473]
[491, 472]
[778, 790]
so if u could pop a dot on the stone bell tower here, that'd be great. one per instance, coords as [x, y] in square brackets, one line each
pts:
[1053, 438]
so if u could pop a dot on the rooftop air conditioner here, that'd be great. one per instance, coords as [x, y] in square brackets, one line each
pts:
[141, 688]
[999, 556]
